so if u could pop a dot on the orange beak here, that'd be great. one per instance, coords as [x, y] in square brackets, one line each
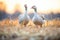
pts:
[33, 7]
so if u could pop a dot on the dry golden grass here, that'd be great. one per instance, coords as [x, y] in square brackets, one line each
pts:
[54, 22]
[30, 23]
[13, 26]
[4, 22]
[8, 22]
[14, 23]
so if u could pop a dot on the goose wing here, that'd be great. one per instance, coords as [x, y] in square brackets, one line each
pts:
[23, 18]
[37, 18]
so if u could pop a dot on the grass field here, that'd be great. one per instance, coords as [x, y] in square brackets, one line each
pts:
[12, 27]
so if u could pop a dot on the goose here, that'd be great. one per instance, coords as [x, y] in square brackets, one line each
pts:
[37, 19]
[24, 18]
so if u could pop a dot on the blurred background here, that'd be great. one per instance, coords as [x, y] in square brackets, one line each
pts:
[11, 9]
[49, 8]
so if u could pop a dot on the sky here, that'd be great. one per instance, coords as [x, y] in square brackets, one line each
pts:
[43, 6]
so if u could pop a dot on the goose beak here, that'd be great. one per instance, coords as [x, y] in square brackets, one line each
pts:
[32, 7]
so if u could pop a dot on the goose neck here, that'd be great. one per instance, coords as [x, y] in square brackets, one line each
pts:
[35, 12]
[25, 11]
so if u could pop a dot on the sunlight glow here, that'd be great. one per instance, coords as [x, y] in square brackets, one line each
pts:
[42, 5]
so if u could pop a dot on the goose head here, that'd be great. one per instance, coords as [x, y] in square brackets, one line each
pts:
[25, 7]
[35, 8]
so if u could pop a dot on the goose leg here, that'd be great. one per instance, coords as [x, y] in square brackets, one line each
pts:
[38, 26]
[21, 25]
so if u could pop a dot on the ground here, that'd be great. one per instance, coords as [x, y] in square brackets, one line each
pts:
[11, 30]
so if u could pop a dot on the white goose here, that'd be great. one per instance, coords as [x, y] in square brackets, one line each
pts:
[38, 20]
[24, 18]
